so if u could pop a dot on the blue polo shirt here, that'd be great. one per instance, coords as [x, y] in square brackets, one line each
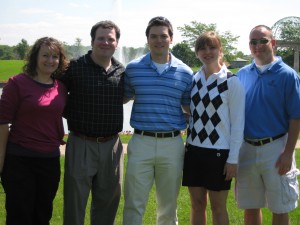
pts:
[272, 99]
[158, 97]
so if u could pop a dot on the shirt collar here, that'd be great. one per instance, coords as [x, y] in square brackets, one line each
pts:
[173, 63]
[88, 59]
[273, 68]
[222, 73]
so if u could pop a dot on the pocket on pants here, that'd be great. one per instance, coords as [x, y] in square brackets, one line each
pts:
[290, 186]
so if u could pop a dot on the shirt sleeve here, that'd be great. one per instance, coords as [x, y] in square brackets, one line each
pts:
[9, 102]
[128, 88]
[186, 97]
[237, 118]
[292, 97]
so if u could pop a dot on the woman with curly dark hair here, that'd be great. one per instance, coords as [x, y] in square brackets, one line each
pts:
[31, 131]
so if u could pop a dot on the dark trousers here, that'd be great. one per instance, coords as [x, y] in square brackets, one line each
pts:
[30, 185]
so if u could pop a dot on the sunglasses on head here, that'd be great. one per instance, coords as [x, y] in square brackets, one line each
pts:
[262, 41]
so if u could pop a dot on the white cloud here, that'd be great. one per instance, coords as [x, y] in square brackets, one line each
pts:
[35, 11]
[79, 5]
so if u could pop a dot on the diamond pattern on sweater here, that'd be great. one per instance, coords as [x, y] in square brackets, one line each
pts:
[206, 110]
[202, 135]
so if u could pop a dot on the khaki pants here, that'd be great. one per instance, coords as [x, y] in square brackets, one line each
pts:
[150, 160]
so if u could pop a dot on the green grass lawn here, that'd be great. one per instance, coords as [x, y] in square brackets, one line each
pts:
[10, 68]
[235, 214]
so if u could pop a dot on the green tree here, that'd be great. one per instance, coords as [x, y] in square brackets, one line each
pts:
[6, 52]
[22, 48]
[183, 52]
[68, 50]
[287, 55]
[229, 41]
[240, 54]
[289, 31]
[78, 48]
[191, 32]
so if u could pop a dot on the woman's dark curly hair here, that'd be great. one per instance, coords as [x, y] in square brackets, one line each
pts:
[32, 56]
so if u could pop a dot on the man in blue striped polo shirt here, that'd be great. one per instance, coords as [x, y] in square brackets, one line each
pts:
[160, 85]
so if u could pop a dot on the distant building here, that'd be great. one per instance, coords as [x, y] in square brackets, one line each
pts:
[238, 63]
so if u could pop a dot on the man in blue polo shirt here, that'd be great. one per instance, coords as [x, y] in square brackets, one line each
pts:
[160, 85]
[267, 174]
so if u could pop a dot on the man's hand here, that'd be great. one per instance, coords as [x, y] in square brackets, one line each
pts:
[284, 163]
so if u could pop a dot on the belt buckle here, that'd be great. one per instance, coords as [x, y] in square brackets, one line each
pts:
[265, 141]
[156, 135]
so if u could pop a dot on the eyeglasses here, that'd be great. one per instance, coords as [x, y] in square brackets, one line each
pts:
[262, 41]
[159, 18]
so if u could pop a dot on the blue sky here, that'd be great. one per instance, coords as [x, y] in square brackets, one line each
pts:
[67, 20]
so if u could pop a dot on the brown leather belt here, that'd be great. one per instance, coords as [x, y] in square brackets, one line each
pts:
[95, 139]
[158, 134]
[263, 141]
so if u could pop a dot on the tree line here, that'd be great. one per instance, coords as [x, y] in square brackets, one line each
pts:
[183, 50]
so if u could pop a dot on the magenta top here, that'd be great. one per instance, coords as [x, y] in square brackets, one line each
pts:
[34, 111]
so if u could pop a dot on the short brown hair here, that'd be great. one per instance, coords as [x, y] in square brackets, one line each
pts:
[159, 21]
[106, 24]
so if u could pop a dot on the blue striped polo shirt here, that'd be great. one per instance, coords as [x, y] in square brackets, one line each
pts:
[158, 97]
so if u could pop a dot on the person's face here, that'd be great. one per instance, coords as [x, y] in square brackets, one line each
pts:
[159, 40]
[105, 43]
[47, 61]
[262, 45]
[209, 55]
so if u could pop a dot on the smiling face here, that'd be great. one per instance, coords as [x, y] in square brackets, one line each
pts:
[209, 55]
[47, 60]
[105, 43]
[208, 49]
[159, 42]
[262, 45]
